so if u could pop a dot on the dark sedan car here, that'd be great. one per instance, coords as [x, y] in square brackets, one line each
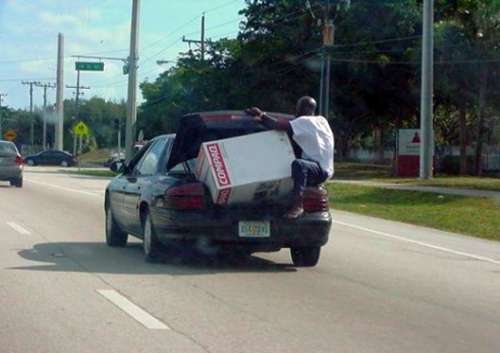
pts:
[11, 164]
[157, 198]
[52, 157]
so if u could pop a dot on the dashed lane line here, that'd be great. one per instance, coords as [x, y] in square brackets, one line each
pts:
[138, 314]
[18, 228]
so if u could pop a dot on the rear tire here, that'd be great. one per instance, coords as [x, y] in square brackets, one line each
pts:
[305, 256]
[18, 182]
[151, 244]
[30, 162]
[115, 237]
[64, 164]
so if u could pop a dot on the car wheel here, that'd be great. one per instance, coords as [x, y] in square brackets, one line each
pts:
[115, 237]
[30, 162]
[64, 164]
[18, 182]
[305, 256]
[151, 245]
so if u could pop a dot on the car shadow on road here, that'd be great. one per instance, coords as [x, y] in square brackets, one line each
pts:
[179, 261]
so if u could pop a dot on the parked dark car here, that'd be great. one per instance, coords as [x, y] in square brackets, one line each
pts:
[157, 198]
[52, 157]
[11, 164]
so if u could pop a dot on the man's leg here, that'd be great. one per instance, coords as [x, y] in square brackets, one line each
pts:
[304, 173]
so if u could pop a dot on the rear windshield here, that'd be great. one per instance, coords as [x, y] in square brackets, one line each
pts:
[7, 148]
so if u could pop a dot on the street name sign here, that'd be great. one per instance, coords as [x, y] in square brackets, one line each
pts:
[89, 66]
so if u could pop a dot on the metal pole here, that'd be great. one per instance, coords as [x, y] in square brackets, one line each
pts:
[44, 118]
[119, 138]
[74, 144]
[1, 114]
[32, 125]
[77, 100]
[203, 37]
[327, 85]
[426, 108]
[132, 82]
[59, 127]
[322, 85]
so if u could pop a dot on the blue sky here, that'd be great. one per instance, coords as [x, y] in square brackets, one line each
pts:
[28, 40]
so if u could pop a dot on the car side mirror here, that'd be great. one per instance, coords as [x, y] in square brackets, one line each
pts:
[119, 167]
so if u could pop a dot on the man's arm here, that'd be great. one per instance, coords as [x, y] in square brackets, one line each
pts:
[270, 121]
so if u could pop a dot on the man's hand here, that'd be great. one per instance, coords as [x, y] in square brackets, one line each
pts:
[255, 112]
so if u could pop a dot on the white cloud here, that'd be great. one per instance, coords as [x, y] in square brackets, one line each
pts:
[56, 20]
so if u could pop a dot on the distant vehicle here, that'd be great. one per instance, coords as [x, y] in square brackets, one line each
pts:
[11, 164]
[116, 160]
[157, 198]
[52, 157]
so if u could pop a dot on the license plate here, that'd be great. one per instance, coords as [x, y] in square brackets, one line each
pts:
[255, 229]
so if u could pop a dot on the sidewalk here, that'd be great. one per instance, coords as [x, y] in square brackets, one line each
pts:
[434, 189]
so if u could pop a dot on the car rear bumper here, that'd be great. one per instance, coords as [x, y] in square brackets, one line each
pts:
[10, 172]
[312, 229]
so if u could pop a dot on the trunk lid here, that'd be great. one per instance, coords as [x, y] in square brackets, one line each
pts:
[194, 129]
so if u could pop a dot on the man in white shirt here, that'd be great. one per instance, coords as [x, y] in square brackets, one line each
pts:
[314, 137]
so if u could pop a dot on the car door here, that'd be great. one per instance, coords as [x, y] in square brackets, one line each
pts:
[118, 187]
[115, 194]
[44, 158]
[58, 158]
[139, 180]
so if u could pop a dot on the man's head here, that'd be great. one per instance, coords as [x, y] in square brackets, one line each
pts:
[306, 106]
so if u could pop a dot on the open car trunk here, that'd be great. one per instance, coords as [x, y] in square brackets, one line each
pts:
[194, 129]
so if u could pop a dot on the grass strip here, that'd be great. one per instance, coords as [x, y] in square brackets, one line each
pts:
[479, 217]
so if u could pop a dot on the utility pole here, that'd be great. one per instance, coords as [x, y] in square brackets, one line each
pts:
[44, 117]
[426, 104]
[202, 42]
[326, 56]
[32, 126]
[2, 95]
[328, 40]
[203, 37]
[59, 126]
[132, 81]
[77, 105]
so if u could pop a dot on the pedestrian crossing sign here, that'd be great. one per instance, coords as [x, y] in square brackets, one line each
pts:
[81, 129]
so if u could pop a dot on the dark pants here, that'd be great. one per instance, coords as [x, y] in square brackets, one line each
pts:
[306, 173]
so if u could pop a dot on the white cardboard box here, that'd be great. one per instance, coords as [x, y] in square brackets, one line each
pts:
[247, 168]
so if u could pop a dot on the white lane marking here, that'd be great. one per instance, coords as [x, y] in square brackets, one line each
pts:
[64, 188]
[146, 319]
[18, 228]
[421, 243]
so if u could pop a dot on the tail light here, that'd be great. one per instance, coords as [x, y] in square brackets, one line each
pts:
[19, 160]
[316, 200]
[186, 197]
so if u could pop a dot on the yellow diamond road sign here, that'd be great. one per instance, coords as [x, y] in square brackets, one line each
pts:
[10, 135]
[81, 129]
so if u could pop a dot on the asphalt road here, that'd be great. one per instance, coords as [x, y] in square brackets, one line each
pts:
[380, 287]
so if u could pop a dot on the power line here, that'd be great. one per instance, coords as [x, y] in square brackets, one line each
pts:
[26, 79]
[213, 9]
[389, 40]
